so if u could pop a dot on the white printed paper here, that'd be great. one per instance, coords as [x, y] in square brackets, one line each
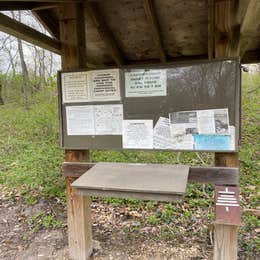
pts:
[104, 85]
[221, 121]
[183, 142]
[184, 122]
[232, 131]
[162, 135]
[80, 120]
[74, 87]
[146, 83]
[206, 121]
[108, 119]
[138, 134]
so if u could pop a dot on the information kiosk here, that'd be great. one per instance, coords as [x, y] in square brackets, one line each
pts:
[184, 107]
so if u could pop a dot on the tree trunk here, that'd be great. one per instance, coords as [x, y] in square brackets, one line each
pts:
[24, 69]
[1, 98]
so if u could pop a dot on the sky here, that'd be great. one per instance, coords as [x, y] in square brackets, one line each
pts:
[8, 46]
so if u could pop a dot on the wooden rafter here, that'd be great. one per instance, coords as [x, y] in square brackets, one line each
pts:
[45, 7]
[211, 26]
[249, 24]
[12, 6]
[237, 25]
[49, 22]
[105, 33]
[154, 25]
[26, 33]
[45, 1]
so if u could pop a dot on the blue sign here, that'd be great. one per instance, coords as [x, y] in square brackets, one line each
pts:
[212, 142]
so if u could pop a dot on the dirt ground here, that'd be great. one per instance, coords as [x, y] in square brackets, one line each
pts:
[22, 237]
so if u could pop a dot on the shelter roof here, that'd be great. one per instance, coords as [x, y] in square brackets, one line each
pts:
[122, 32]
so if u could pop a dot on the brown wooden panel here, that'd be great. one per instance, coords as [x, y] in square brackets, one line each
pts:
[135, 178]
[227, 206]
[213, 175]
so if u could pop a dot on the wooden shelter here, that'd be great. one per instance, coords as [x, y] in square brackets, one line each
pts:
[99, 33]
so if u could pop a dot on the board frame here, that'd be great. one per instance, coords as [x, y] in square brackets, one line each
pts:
[78, 142]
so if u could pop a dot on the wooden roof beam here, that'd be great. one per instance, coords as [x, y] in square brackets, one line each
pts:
[48, 21]
[14, 5]
[211, 29]
[45, 1]
[26, 33]
[153, 22]
[105, 33]
[249, 24]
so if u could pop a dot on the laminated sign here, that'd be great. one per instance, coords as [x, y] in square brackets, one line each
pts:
[145, 83]
[91, 86]
[104, 85]
[74, 87]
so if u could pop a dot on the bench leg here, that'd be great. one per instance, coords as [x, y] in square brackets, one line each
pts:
[79, 223]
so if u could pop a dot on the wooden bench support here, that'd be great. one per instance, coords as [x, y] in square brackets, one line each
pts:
[212, 175]
[79, 223]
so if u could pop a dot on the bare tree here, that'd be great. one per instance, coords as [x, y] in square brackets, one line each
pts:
[23, 66]
[1, 97]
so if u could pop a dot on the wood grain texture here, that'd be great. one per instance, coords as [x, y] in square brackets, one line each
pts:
[226, 159]
[72, 36]
[135, 178]
[47, 19]
[79, 223]
[211, 29]
[78, 206]
[93, 12]
[26, 33]
[151, 16]
[249, 24]
[183, 29]
[226, 236]
[212, 175]
[225, 242]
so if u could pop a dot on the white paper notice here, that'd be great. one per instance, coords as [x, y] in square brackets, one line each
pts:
[206, 121]
[80, 120]
[221, 121]
[162, 134]
[104, 85]
[232, 131]
[146, 83]
[183, 142]
[74, 87]
[108, 119]
[138, 134]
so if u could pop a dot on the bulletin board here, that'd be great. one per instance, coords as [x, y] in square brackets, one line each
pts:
[184, 107]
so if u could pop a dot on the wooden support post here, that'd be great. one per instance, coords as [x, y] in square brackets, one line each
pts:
[72, 36]
[225, 246]
[79, 213]
[225, 242]
[227, 221]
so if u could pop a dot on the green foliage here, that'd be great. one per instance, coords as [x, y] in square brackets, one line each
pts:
[30, 157]
[30, 163]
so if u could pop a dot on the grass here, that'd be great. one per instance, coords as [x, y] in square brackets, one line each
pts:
[30, 164]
